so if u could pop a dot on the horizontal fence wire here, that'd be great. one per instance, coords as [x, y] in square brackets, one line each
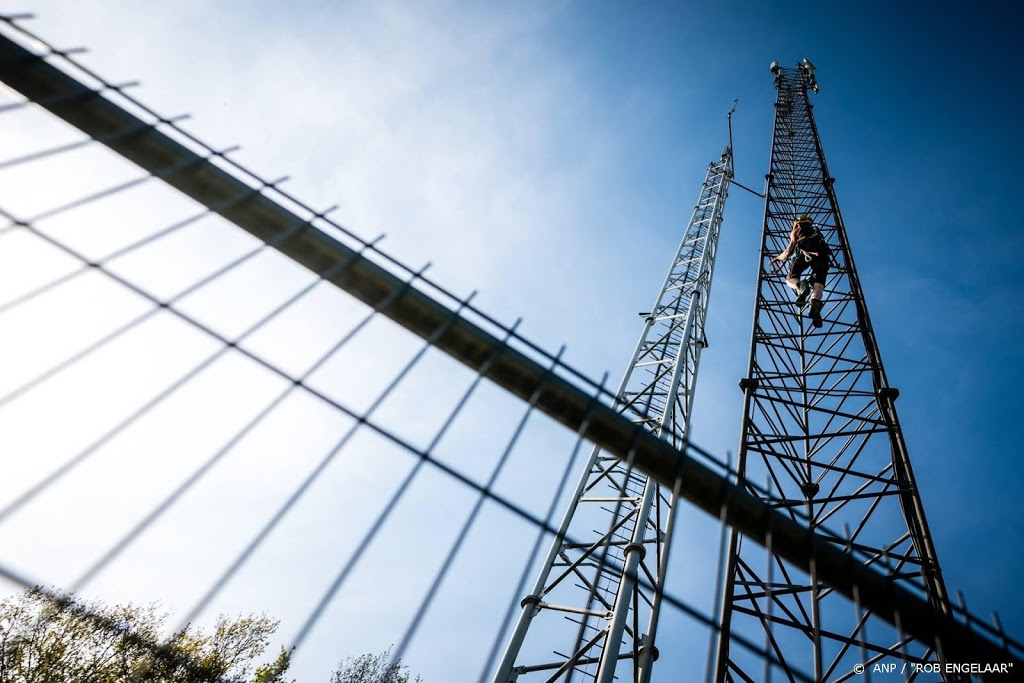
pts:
[174, 378]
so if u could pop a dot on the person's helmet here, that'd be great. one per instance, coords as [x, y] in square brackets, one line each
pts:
[804, 219]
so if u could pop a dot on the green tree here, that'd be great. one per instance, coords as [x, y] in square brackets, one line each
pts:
[371, 668]
[46, 638]
[55, 638]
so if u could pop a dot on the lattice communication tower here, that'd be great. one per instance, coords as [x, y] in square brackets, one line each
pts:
[821, 437]
[605, 619]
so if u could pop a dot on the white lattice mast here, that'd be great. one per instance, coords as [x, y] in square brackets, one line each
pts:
[588, 616]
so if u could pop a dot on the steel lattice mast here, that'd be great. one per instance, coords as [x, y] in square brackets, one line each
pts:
[587, 602]
[820, 427]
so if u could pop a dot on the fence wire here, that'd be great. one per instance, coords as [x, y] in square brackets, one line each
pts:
[282, 417]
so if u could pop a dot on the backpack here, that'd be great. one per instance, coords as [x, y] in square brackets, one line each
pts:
[810, 241]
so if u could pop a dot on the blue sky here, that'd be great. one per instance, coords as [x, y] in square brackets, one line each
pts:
[549, 154]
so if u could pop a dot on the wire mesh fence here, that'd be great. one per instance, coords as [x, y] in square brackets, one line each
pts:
[282, 418]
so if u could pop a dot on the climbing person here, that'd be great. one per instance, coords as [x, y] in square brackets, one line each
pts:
[807, 248]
